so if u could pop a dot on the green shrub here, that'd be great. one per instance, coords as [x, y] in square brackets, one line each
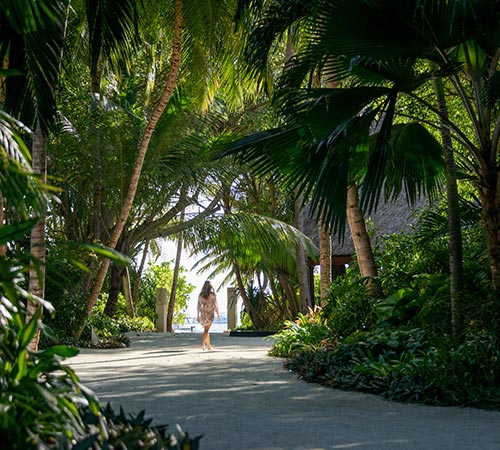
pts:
[103, 325]
[39, 397]
[111, 331]
[309, 332]
[111, 430]
[401, 256]
[424, 304]
[107, 331]
[63, 290]
[347, 309]
[138, 324]
[158, 276]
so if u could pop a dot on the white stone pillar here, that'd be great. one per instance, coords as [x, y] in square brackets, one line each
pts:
[232, 300]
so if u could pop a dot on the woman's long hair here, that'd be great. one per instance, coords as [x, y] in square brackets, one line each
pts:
[207, 289]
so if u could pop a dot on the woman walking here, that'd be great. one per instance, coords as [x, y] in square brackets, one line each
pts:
[207, 307]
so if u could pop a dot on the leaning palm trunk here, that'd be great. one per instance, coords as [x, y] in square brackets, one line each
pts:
[454, 228]
[136, 172]
[362, 245]
[37, 241]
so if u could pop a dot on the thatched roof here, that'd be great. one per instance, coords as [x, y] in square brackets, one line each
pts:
[389, 218]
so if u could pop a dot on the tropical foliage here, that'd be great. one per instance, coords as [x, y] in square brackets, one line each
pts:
[401, 346]
[374, 67]
[406, 365]
[42, 402]
[127, 106]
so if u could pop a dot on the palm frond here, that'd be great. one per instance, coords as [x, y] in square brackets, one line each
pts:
[16, 231]
[245, 7]
[491, 91]
[415, 163]
[277, 19]
[13, 145]
[389, 29]
[113, 31]
[34, 45]
[433, 224]
[22, 193]
[250, 241]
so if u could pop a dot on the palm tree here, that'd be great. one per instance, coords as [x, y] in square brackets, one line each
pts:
[239, 244]
[454, 226]
[379, 47]
[32, 43]
[191, 25]
[280, 16]
[24, 45]
[143, 147]
[458, 39]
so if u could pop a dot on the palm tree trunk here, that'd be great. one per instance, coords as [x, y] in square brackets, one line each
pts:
[289, 294]
[175, 278]
[95, 84]
[325, 261]
[362, 244]
[36, 284]
[115, 287]
[137, 282]
[454, 228]
[136, 172]
[302, 269]
[489, 195]
[252, 313]
[127, 293]
[280, 305]
[325, 241]
[37, 241]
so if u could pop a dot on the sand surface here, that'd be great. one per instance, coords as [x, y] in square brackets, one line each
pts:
[239, 398]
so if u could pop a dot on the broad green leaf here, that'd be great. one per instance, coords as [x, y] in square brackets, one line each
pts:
[28, 332]
[64, 351]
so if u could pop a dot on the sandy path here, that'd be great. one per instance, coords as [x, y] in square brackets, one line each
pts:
[242, 399]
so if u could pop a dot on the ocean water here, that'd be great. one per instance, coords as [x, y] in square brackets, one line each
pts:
[192, 326]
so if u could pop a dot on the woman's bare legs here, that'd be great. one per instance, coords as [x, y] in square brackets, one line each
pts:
[205, 339]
